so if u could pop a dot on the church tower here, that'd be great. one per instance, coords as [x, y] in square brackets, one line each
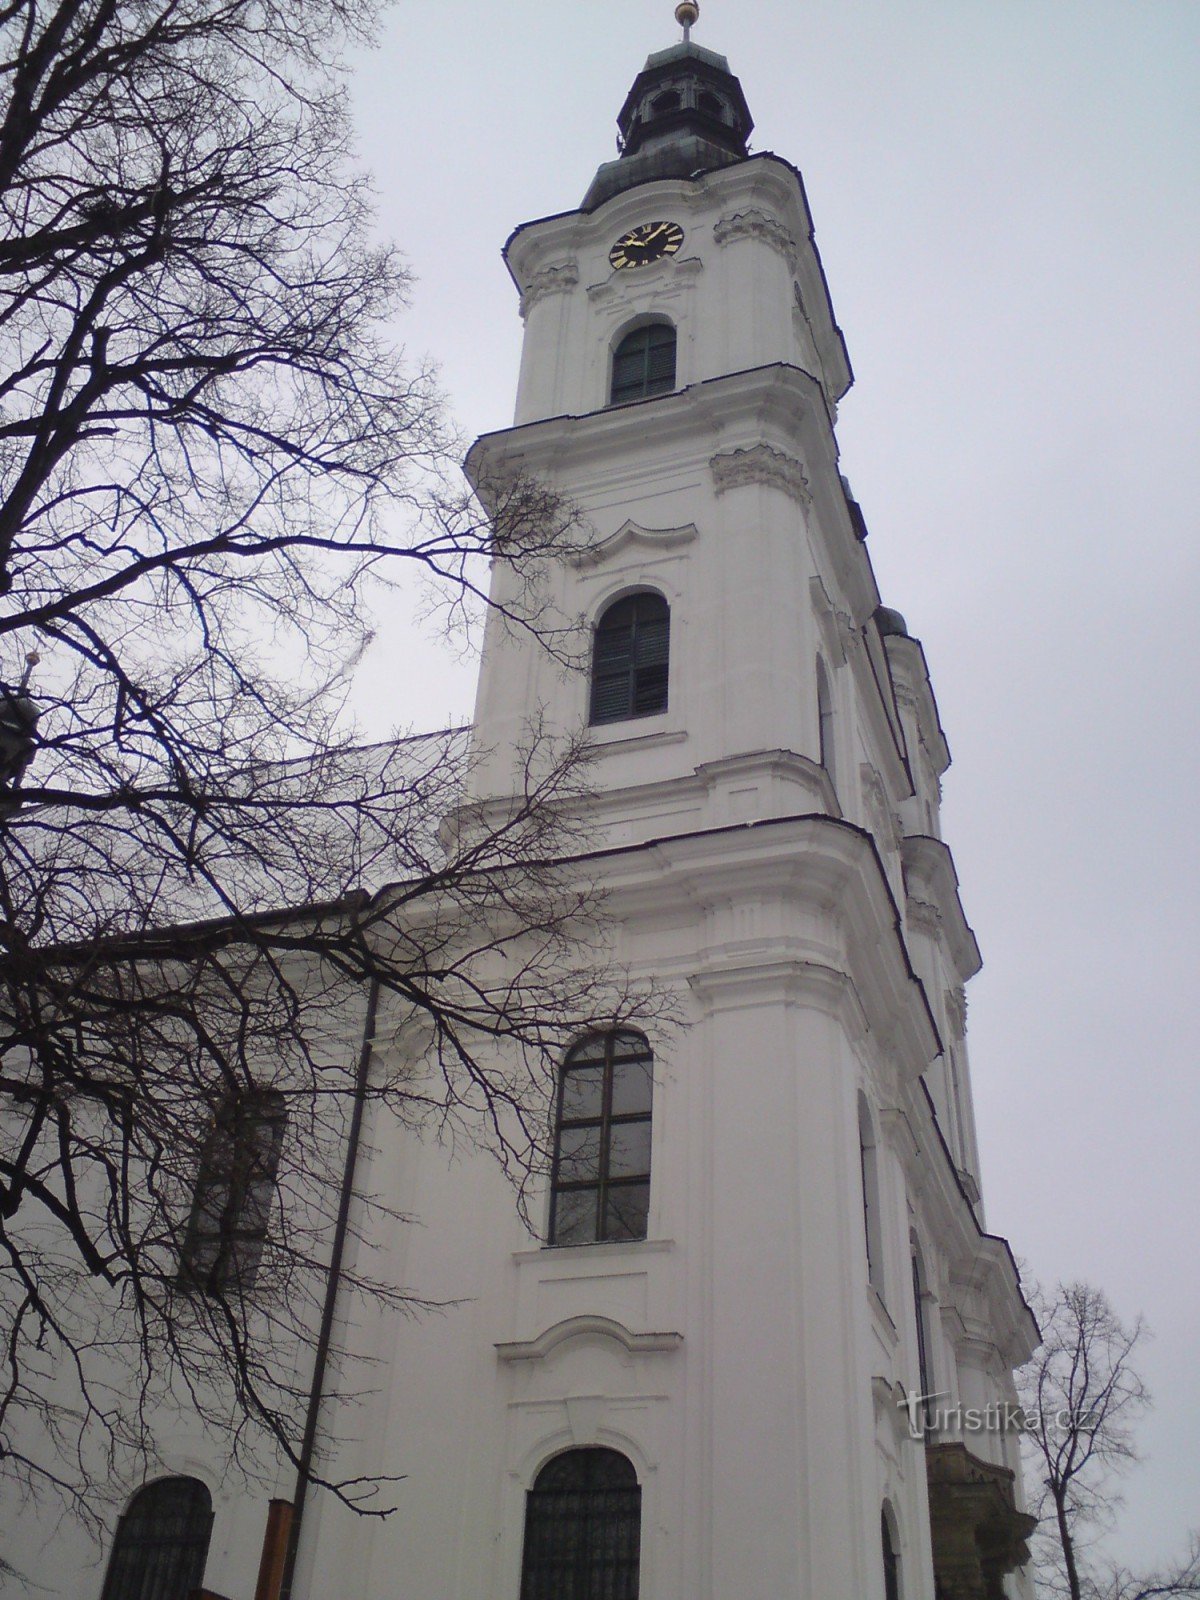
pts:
[763, 1240]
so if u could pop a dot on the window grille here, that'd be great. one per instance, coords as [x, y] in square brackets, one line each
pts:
[644, 363]
[231, 1207]
[162, 1542]
[583, 1520]
[631, 659]
[600, 1185]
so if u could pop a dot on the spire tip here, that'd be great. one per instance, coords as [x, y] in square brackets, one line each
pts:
[686, 14]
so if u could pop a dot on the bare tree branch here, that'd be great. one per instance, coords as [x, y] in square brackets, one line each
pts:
[1083, 1398]
[212, 458]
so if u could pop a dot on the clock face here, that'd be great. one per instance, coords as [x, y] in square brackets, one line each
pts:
[650, 242]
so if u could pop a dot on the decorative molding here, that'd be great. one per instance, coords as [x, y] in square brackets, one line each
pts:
[550, 280]
[969, 1187]
[895, 1124]
[733, 469]
[631, 532]
[884, 823]
[666, 277]
[956, 1010]
[906, 696]
[837, 628]
[756, 224]
[636, 1344]
[924, 917]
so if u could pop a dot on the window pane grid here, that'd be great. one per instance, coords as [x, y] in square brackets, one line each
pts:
[600, 1184]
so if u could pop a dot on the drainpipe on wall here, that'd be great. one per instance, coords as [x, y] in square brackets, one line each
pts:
[282, 1590]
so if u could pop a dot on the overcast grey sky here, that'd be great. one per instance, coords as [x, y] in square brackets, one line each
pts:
[1005, 196]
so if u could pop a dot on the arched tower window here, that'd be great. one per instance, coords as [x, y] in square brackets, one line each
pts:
[891, 1558]
[162, 1542]
[924, 1369]
[870, 1195]
[644, 363]
[583, 1527]
[630, 659]
[600, 1183]
[825, 723]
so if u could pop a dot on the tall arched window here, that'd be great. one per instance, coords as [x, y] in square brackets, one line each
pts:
[162, 1542]
[600, 1184]
[825, 723]
[891, 1560]
[924, 1370]
[231, 1207]
[583, 1524]
[630, 659]
[644, 363]
[870, 1195]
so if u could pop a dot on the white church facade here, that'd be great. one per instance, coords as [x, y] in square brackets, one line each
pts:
[763, 1237]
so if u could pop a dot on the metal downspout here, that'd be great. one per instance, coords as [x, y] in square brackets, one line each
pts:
[324, 1338]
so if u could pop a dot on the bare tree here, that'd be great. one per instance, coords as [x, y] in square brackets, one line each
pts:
[1083, 1396]
[209, 895]
[1166, 1583]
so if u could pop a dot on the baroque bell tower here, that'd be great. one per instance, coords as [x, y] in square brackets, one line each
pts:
[741, 1360]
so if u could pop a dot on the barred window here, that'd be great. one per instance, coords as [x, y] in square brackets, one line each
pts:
[583, 1523]
[231, 1207]
[600, 1185]
[644, 363]
[631, 659]
[161, 1543]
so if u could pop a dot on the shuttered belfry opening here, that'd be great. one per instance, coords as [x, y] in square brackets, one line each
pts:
[644, 363]
[630, 659]
[162, 1542]
[583, 1524]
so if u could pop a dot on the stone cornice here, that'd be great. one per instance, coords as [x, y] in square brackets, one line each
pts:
[796, 865]
[779, 402]
[910, 673]
[931, 886]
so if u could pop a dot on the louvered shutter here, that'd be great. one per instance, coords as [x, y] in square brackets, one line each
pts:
[644, 363]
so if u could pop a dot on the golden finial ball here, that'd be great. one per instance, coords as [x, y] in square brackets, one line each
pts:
[686, 14]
